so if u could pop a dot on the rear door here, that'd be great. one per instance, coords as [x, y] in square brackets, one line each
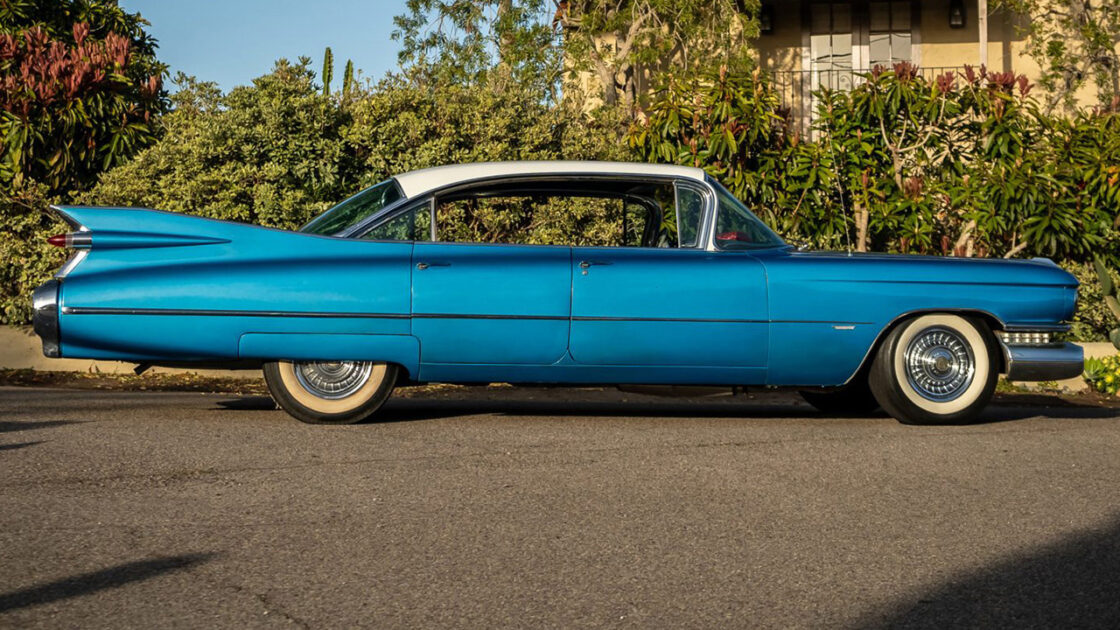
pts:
[490, 303]
[480, 295]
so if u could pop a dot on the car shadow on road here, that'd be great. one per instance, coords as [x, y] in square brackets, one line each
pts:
[86, 583]
[1074, 583]
[405, 409]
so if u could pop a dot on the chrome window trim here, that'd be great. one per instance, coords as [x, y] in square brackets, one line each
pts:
[711, 243]
[705, 238]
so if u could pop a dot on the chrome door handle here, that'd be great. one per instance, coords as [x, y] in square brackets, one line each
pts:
[423, 265]
[588, 263]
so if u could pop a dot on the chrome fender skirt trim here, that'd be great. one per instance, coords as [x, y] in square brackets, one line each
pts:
[1050, 362]
[44, 319]
[403, 350]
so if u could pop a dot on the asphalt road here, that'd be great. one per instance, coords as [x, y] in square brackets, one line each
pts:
[532, 508]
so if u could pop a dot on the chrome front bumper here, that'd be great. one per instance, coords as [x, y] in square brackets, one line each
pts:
[1046, 362]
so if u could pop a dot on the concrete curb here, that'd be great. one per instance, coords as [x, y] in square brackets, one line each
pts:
[20, 349]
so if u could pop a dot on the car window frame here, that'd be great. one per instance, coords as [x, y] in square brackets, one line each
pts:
[430, 199]
[713, 220]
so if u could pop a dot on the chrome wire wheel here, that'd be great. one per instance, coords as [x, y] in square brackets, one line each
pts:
[333, 380]
[939, 363]
[936, 368]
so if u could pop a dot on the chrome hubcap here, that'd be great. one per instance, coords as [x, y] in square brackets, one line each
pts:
[333, 379]
[939, 364]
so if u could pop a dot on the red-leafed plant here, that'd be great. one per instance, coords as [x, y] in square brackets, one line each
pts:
[70, 110]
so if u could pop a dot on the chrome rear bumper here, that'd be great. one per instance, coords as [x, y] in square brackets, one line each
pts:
[44, 319]
[1047, 362]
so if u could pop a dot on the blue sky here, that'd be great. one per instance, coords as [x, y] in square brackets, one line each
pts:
[232, 41]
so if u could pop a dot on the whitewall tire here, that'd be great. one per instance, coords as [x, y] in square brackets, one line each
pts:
[330, 392]
[936, 369]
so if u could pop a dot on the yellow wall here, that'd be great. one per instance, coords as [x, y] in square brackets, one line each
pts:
[936, 44]
[781, 50]
[944, 46]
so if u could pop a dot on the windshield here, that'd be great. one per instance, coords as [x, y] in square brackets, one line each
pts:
[737, 227]
[354, 209]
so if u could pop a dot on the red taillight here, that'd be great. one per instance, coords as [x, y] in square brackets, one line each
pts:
[78, 240]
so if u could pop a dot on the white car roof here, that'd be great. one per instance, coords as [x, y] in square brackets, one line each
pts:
[416, 183]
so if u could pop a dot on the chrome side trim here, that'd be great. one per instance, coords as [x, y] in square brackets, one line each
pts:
[1050, 362]
[482, 316]
[44, 318]
[98, 310]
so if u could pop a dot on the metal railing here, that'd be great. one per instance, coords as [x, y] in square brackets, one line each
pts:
[796, 88]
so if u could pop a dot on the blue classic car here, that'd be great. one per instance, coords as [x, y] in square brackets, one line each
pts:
[550, 272]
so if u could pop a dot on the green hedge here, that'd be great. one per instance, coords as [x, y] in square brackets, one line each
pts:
[966, 164]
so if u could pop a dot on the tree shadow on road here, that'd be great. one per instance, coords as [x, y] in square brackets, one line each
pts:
[87, 583]
[18, 445]
[10, 426]
[1071, 584]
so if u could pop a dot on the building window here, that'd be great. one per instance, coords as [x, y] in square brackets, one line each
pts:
[830, 43]
[888, 33]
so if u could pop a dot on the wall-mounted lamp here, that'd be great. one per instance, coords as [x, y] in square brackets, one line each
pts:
[766, 19]
[956, 13]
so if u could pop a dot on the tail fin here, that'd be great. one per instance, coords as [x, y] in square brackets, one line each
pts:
[135, 228]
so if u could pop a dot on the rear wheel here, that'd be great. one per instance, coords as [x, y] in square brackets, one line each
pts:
[935, 369]
[330, 392]
[855, 399]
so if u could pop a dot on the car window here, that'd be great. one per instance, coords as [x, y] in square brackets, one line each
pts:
[582, 214]
[354, 209]
[737, 227]
[528, 220]
[411, 225]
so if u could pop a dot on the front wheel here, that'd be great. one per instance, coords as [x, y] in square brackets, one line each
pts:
[935, 369]
[330, 392]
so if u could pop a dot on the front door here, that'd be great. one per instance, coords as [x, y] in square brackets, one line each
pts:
[668, 307]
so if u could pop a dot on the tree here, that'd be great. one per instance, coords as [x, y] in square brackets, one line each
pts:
[1074, 42]
[80, 91]
[620, 41]
[465, 41]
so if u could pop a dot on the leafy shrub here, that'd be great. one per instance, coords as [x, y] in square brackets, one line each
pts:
[271, 153]
[79, 92]
[25, 258]
[966, 164]
[1103, 375]
[279, 152]
[1092, 320]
